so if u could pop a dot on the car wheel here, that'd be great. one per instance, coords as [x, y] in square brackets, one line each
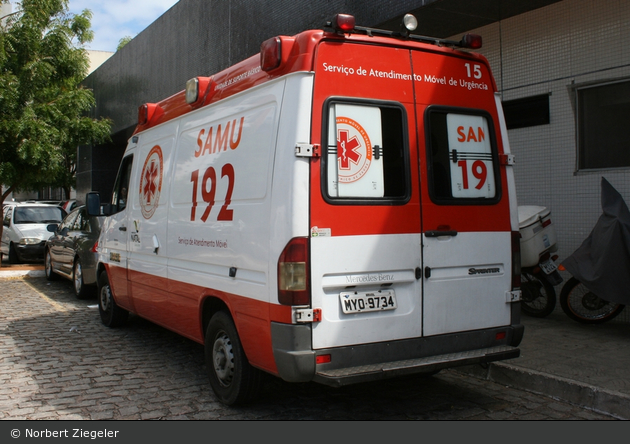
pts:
[48, 269]
[13, 255]
[80, 289]
[232, 378]
[111, 314]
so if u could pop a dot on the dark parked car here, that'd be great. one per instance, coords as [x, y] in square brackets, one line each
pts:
[71, 250]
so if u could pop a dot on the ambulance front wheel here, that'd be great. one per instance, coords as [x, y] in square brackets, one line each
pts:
[111, 314]
[232, 378]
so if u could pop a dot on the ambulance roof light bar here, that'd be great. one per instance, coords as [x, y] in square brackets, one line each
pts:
[345, 24]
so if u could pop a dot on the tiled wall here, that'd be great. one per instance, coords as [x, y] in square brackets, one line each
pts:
[544, 52]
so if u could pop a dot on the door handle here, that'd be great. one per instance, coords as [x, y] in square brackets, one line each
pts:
[438, 233]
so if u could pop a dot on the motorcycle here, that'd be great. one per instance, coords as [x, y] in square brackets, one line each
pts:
[598, 289]
[539, 272]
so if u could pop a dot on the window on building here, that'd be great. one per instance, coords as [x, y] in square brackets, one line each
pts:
[603, 115]
[527, 111]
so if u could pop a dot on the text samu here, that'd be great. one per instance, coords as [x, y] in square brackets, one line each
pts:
[218, 140]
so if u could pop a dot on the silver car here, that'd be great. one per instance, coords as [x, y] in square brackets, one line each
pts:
[71, 251]
[25, 230]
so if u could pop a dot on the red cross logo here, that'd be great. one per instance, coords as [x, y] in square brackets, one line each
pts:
[347, 150]
[354, 150]
[151, 183]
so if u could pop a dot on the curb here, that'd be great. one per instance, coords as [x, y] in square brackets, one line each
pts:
[563, 389]
[22, 273]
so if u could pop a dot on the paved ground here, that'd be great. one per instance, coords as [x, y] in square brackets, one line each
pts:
[57, 361]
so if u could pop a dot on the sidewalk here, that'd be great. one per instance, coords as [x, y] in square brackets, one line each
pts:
[21, 270]
[588, 365]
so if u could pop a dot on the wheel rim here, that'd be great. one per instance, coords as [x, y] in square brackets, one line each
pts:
[105, 298]
[587, 305]
[78, 277]
[47, 264]
[223, 359]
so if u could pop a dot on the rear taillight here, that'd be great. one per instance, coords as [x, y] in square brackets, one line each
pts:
[293, 273]
[516, 260]
[95, 247]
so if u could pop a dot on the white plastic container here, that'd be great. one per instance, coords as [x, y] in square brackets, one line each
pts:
[538, 234]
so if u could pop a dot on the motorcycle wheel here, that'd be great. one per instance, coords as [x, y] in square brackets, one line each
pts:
[582, 305]
[538, 296]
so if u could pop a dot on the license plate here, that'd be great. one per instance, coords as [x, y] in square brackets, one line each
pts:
[361, 302]
[548, 266]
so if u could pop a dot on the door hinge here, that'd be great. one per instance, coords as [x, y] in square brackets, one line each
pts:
[507, 159]
[307, 150]
[303, 315]
[512, 296]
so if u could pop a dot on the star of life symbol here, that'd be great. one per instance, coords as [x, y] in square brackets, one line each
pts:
[354, 150]
[151, 182]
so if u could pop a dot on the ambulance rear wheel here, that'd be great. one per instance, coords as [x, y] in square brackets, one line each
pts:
[111, 314]
[232, 378]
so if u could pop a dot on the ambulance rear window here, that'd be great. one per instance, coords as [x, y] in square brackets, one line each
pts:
[365, 156]
[462, 157]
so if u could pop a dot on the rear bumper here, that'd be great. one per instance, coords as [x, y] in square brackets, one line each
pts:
[296, 361]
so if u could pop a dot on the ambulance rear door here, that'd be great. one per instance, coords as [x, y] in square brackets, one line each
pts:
[465, 210]
[365, 213]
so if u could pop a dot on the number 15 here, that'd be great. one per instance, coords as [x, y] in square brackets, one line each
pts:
[476, 71]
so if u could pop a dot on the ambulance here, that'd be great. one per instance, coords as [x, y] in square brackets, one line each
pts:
[339, 208]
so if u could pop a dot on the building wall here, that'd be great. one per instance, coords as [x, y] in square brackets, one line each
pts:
[546, 51]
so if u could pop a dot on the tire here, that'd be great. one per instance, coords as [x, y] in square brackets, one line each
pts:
[13, 255]
[81, 290]
[232, 378]
[538, 296]
[48, 269]
[582, 305]
[111, 314]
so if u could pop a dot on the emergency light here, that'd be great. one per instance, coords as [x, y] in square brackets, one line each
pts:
[410, 22]
[196, 89]
[270, 54]
[149, 111]
[342, 23]
[471, 41]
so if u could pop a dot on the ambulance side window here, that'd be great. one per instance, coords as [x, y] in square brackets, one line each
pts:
[121, 188]
[365, 156]
[462, 157]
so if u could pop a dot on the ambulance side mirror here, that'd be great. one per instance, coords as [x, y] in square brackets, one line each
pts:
[93, 203]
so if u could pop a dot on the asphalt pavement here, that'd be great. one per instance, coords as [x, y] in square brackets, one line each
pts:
[587, 365]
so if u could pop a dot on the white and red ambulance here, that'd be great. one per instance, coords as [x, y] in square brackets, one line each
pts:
[338, 208]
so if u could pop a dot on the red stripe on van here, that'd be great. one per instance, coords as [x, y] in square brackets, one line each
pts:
[178, 306]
